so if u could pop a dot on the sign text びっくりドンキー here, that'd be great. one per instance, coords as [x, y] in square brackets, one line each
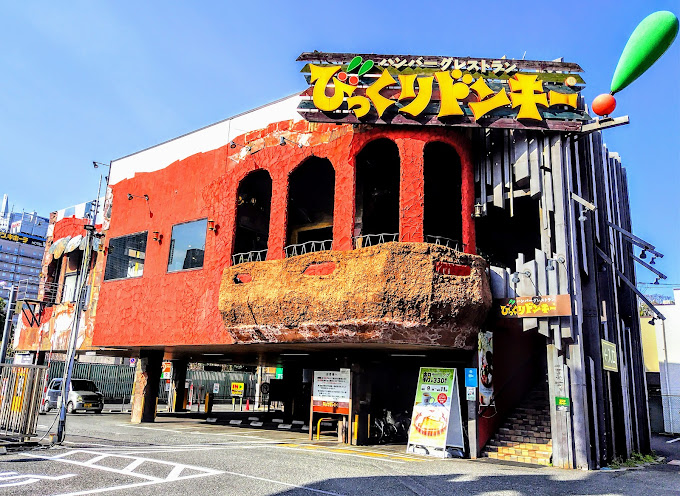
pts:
[441, 91]
[535, 306]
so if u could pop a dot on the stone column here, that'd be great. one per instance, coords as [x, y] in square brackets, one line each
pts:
[145, 392]
[411, 190]
[177, 389]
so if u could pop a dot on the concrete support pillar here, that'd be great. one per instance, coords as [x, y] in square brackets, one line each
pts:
[177, 387]
[145, 392]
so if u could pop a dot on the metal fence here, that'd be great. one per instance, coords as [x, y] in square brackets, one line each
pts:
[671, 413]
[308, 247]
[443, 241]
[115, 381]
[21, 388]
[374, 239]
[251, 256]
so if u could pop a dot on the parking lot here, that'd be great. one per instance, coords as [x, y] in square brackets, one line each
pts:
[178, 455]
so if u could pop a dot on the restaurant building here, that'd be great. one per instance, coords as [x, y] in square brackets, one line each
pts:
[402, 212]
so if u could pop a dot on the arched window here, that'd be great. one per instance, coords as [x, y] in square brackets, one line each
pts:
[252, 217]
[377, 194]
[310, 207]
[443, 222]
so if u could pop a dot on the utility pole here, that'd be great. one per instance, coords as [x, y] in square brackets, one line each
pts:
[73, 337]
[9, 314]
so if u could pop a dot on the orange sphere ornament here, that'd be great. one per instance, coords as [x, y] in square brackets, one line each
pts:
[604, 104]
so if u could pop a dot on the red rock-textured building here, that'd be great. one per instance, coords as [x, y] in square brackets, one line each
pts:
[371, 237]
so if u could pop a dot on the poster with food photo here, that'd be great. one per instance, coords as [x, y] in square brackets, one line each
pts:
[485, 350]
[432, 407]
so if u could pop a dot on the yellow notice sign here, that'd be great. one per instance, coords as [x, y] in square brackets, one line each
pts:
[609, 358]
[237, 389]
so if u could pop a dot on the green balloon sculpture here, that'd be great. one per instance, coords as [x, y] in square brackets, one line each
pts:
[649, 41]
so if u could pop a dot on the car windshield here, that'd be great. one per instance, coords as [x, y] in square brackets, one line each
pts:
[81, 385]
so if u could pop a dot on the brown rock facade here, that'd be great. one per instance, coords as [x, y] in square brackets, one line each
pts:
[393, 293]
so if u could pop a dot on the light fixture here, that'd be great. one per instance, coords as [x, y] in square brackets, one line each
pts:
[582, 217]
[406, 355]
[652, 321]
[656, 281]
[515, 276]
[652, 261]
[233, 144]
[294, 354]
[643, 254]
[551, 264]
[283, 140]
[211, 224]
[131, 196]
[156, 236]
[97, 164]
[479, 210]
[213, 354]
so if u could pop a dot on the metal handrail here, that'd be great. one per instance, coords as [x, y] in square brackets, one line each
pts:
[442, 241]
[249, 256]
[308, 247]
[374, 239]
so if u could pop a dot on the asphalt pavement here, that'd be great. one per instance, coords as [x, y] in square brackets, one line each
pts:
[105, 454]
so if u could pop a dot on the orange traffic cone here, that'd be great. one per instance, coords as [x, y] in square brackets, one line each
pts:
[247, 404]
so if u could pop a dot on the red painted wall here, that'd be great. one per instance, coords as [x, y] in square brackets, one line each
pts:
[180, 308]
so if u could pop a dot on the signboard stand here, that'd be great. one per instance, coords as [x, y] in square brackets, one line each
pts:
[436, 425]
[331, 396]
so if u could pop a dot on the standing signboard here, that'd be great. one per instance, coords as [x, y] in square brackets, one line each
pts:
[331, 392]
[166, 372]
[436, 423]
[237, 389]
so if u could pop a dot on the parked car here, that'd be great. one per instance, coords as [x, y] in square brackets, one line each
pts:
[83, 395]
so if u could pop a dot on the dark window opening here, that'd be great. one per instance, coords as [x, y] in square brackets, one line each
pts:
[310, 204]
[187, 245]
[501, 237]
[377, 192]
[126, 256]
[443, 219]
[253, 207]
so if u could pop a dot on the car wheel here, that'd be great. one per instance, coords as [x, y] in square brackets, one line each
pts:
[70, 408]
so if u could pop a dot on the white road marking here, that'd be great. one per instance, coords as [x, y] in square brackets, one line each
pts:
[673, 440]
[174, 475]
[28, 478]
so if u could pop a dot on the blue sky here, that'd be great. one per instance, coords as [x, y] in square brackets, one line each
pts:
[84, 81]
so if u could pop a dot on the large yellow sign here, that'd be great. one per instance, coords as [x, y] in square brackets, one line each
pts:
[444, 92]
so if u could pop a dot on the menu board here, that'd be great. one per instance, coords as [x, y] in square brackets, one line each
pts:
[436, 420]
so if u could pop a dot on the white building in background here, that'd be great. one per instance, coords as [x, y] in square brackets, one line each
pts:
[668, 347]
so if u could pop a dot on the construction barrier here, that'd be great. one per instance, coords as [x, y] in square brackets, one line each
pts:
[21, 389]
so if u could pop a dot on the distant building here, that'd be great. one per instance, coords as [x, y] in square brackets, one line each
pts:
[22, 244]
[668, 349]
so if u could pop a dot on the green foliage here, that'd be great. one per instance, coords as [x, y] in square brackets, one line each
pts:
[636, 459]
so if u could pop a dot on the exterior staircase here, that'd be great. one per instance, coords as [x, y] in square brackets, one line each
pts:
[525, 434]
